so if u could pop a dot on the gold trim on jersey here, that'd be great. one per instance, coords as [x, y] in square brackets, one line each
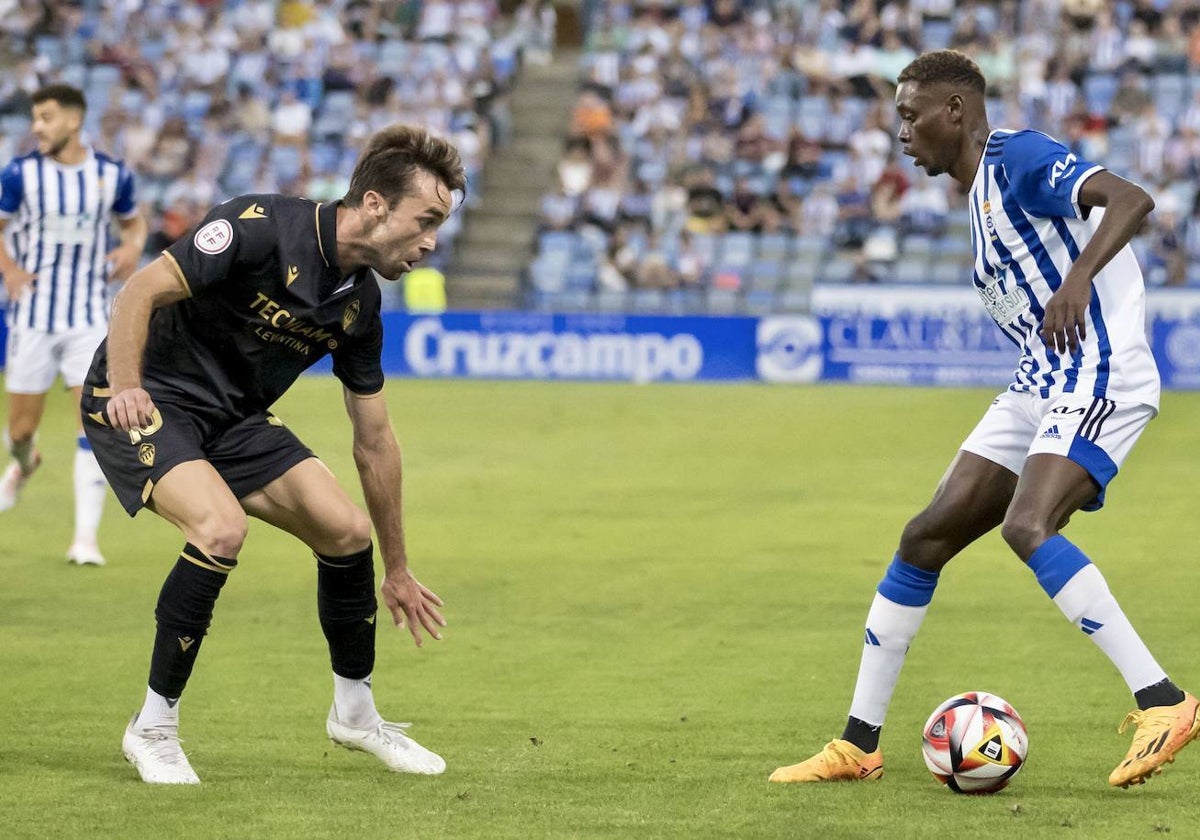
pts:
[174, 265]
[320, 244]
[102, 392]
[254, 211]
[147, 489]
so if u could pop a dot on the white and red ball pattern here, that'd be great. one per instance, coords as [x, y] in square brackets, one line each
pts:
[975, 743]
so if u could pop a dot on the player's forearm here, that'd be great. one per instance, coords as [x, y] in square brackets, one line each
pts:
[7, 263]
[1126, 208]
[128, 328]
[133, 232]
[380, 471]
[149, 288]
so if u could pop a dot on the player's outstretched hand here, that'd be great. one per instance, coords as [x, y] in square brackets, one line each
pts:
[412, 603]
[1065, 322]
[130, 409]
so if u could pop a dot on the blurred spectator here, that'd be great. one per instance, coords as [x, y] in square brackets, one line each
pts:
[924, 208]
[705, 203]
[575, 168]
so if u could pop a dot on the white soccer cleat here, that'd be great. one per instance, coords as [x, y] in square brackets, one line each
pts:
[82, 554]
[387, 742]
[157, 755]
[13, 480]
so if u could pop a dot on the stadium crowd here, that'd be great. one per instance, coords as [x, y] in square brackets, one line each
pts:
[722, 155]
[206, 100]
[728, 154]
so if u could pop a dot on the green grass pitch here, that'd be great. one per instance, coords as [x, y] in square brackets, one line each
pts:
[656, 595]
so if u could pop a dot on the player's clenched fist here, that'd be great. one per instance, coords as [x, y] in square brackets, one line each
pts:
[130, 409]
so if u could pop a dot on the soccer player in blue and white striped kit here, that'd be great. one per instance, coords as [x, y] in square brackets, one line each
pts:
[1054, 269]
[56, 206]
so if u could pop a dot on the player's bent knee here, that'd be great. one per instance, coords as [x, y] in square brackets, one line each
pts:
[220, 533]
[1024, 534]
[350, 535]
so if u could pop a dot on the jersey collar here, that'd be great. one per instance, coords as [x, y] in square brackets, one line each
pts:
[326, 215]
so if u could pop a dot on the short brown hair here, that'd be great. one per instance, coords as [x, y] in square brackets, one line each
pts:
[64, 95]
[392, 158]
[945, 66]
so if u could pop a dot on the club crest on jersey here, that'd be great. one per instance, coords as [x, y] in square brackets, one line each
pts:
[146, 454]
[214, 237]
[350, 315]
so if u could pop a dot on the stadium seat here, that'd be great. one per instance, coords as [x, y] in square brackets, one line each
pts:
[949, 272]
[760, 302]
[793, 300]
[1098, 91]
[608, 300]
[722, 301]
[764, 275]
[737, 249]
[800, 275]
[911, 269]
[1170, 92]
[838, 270]
[647, 300]
[773, 246]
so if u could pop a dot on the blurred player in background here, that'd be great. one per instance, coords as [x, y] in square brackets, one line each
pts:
[203, 341]
[56, 208]
[1054, 268]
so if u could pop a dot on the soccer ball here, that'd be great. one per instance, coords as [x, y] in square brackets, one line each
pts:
[975, 743]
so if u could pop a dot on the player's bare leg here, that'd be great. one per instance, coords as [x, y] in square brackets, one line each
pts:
[970, 501]
[24, 415]
[1051, 488]
[308, 502]
[194, 498]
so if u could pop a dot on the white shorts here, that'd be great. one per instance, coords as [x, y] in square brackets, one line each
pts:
[36, 357]
[1094, 432]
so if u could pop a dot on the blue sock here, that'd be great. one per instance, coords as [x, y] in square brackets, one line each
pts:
[903, 583]
[1055, 562]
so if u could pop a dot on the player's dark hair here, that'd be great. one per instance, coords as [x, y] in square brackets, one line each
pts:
[393, 157]
[949, 67]
[64, 95]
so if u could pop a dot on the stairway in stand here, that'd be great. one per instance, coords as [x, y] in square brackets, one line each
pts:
[498, 238]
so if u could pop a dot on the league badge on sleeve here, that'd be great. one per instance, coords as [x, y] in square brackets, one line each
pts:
[214, 237]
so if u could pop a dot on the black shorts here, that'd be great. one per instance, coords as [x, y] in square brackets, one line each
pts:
[247, 455]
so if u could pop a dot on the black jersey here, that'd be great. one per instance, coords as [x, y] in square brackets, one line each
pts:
[266, 301]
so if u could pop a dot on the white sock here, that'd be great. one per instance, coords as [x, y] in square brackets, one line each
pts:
[1088, 604]
[890, 629]
[353, 702]
[90, 491]
[157, 711]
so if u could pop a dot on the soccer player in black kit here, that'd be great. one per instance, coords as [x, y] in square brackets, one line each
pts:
[176, 405]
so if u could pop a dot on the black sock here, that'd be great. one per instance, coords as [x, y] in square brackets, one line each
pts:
[184, 611]
[346, 606]
[1164, 693]
[862, 734]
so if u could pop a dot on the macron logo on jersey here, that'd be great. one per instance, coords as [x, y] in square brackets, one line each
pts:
[1062, 169]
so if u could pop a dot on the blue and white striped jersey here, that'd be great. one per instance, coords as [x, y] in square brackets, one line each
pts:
[59, 219]
[1027, 228]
